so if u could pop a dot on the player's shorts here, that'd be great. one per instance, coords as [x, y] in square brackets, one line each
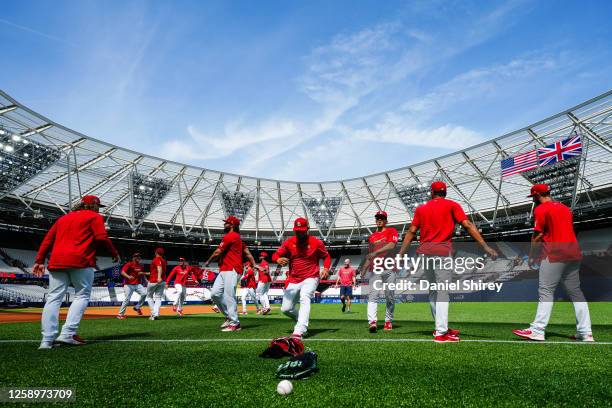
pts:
[346, 291]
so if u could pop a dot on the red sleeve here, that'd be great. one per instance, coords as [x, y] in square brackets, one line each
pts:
[540, 220]
[458, 214]
[101, 236]
[416, 219]
[227, 241]
[171, 275]
[323, 254]
[280, 252]
[46, 245]
[126, 267]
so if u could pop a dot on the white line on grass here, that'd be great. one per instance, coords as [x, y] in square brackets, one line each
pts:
[362, 340]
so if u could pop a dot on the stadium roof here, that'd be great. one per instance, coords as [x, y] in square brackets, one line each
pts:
[58, 165]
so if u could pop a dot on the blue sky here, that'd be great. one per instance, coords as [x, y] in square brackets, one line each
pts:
[303, 91]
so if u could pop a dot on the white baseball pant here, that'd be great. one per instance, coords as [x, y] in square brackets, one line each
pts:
[377, 283]
[129, 289]
[438, 299]
[223, 294]
[82, 281]
[305, 291]
[262, 294]
[551, 273]
[244, 292]
[181, 293]
[155, 294]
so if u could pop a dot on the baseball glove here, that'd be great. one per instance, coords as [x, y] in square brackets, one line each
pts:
[298, 367]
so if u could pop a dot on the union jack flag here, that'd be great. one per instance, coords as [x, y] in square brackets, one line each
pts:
[561, 150]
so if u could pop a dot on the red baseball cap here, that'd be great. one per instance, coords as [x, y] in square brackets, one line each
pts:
[182, 259]
[264, 254]
[159, 251]
[91, 200]
[232, 220]
[301, 224]
[539, 189]
[438, 186]
[381, 213]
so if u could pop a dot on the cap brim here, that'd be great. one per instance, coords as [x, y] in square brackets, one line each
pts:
[101, 205]
[300, 229]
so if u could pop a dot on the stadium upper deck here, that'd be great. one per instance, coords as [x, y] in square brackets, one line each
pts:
[46, 165]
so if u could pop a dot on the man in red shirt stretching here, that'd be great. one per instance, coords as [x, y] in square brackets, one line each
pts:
[436, 219]
[180, 273]
[72, 241]
[263, 283]
[381, 243]
[560, 256]
[157, 283]
[230, 253]
[346, 279]
[302, 253]
[248, 284]
[132, 273]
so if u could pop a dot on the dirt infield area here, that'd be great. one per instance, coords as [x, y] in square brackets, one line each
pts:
[33, 314]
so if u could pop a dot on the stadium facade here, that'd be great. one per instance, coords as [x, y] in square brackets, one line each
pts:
[46, 167]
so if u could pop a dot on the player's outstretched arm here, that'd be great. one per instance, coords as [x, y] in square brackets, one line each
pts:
[474, 233]
[408, 238]
[249, 256]
[213, 256]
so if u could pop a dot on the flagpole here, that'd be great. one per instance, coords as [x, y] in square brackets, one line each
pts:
[501, 177]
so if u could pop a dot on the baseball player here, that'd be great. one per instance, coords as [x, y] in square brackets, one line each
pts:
[229, 253]
[302, 252]
[157, 283]
[436, 220]
[248, 285]
[560, 262]
[180, 273]
[132, 274]
[346, 279]
[72, 242]
[381, 243]
[263, 283]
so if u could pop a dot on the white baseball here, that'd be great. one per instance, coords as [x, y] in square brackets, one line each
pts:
[284, 387]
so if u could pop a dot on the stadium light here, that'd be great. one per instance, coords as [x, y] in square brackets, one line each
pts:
[151, 190]
[323, 211]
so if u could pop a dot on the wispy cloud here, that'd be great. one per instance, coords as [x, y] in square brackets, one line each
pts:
[38, 33]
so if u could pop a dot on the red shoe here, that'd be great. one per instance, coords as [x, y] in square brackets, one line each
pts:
[450, 331]
[446, 338]
[231, 328]
[121, 317]
[216, 309]
[258, 311]
[388, 326]
[372, 328]
[529, 334]
[73, 341]
[180, 313]
[138, 311]
[226, 323]
[244, 313]
[173, 308]
[266, 311]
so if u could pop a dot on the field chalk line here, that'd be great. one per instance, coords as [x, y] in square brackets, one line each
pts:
[362, 340]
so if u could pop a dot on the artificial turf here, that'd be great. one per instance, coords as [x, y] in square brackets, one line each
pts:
[225, 371]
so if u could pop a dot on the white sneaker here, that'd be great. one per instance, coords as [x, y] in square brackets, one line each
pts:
[72, 340]
[226, 323]
[584, 337]
[45, 345]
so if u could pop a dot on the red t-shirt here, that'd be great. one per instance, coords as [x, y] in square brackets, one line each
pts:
[232, 248]
[73, 241]
[180, 275]
[556, 221]
[379, 239]
[303, 260]
[264, 272]
[132, 269]
[157, 261]
[436, 219]
[249, 278]
[346, 276]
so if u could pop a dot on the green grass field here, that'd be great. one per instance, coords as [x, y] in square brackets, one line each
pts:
[139, 363]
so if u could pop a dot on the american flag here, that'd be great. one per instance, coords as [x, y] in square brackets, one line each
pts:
[519, 164]
[561, 150]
